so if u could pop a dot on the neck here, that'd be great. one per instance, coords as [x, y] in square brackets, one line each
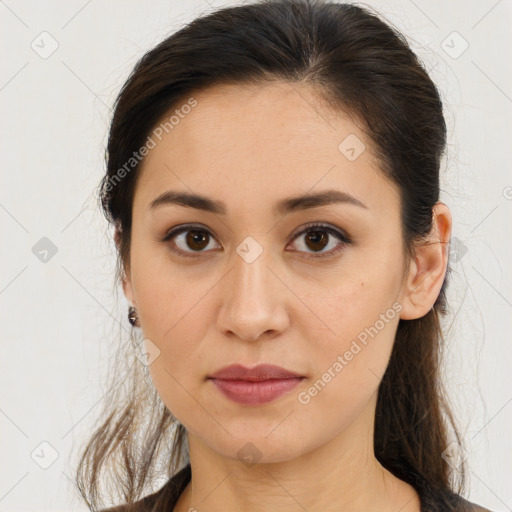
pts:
[341, 475]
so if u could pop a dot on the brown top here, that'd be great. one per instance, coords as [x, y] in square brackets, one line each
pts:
[431, 500]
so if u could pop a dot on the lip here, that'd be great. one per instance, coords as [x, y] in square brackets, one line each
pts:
[254, 386]
[258, 373]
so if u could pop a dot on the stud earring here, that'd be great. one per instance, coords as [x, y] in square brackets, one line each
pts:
[133, 318]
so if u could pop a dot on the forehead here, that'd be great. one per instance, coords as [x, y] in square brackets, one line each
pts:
[271, 140]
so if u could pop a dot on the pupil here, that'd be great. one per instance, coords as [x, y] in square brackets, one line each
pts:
[195, 237]
[317, 237]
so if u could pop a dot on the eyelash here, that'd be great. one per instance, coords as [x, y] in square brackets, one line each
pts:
[344, 240]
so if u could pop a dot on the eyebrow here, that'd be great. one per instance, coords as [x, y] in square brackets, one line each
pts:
[283, 207]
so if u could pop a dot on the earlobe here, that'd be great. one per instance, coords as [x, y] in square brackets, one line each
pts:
[428, 269]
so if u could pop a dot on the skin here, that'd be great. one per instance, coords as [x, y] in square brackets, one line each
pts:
[250, 147]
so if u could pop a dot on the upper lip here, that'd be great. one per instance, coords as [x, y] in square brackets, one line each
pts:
[258, 373]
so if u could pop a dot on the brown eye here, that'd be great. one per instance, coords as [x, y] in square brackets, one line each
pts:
[188, 240]
[318, 237]
[317, 240]
[197, 240]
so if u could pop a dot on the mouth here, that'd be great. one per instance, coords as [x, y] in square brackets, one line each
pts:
[255, 392]
[257, 373]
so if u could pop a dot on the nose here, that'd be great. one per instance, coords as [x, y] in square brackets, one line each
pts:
[254, 300]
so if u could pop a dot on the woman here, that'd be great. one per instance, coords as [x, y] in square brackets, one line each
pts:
[273, 180]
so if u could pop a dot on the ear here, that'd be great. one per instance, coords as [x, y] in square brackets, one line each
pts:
[428, 269]
[126, 275]
[127, 288]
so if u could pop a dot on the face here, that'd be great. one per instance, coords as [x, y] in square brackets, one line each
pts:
[255, 284]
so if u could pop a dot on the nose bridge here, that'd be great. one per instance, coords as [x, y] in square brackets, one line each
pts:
[251, 302]
[250, 273]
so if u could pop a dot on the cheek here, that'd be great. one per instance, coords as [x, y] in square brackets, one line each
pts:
[164, 295]
[176, 374]
[348, 371]
[355, 339]
[363, 344]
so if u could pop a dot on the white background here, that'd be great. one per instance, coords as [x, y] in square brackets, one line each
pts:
[59, 318]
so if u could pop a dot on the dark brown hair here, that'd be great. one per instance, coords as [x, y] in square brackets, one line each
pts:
[359, 65]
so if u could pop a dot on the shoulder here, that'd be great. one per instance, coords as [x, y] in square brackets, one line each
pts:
[166, 497]
[445, 500]
[461, 504]
[469, 506]
[139, 506]
[142, 505]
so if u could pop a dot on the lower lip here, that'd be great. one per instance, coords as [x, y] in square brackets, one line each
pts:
[255, 393]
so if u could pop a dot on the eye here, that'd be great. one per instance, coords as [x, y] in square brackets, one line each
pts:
[198, 239]
[320, 236]
[195, 238]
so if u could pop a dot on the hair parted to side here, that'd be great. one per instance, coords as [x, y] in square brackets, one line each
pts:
[362, 66]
